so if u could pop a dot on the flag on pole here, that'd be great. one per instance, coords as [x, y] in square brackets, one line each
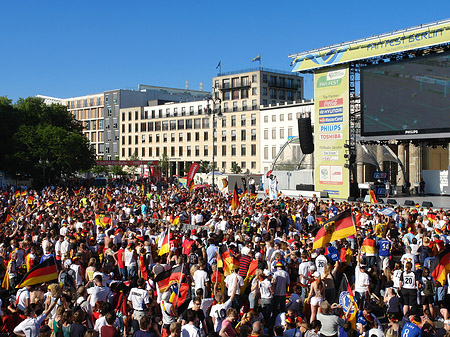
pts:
[164, 279]
[257, 58]
[243, 195]
[235, 200]
[373, 198]
[347, 301]
[5, 284]
[165, 243]
[49, 203]
[17, 194]
[78, 192]
[224, 183]
[43, 272]
[219, 64]
[108, 195]
[338, 227]
[226, 260]
[441, 266]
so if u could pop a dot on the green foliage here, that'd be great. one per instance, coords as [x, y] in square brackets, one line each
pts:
[205, 167]
[132, 169]
[164, 163]
[117, 170]
[100, 169]
[38, 137]
[235, 168]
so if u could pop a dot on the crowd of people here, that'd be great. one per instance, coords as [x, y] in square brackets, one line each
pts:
[272, 282]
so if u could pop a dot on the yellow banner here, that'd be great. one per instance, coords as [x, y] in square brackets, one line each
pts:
[331, 131]
[372, 47]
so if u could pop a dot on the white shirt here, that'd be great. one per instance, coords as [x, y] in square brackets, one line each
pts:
[23, 294]
[321, 262]
[409, 280]
[264, 289]
[98, 294]
[408, 258]
[219, 313]
[190, 330]
[303, 270]
[396, 278]
[30, 326]
[229, 283]
[361, 280]
[99, 323]
[200, 279]
[139, 298]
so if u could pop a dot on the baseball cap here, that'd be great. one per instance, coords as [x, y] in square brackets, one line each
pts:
[279, 264]
[267, 272]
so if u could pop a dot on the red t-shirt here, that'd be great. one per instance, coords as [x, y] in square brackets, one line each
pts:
[187, 246]
[109, 331]
[120, 258]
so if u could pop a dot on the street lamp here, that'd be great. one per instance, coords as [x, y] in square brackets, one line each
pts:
[219, 114]
[44, 164]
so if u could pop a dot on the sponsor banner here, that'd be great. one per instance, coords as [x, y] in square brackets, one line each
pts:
[127, 162]
[395, 42]
[334, 119]
[331, 132]
[331, 111]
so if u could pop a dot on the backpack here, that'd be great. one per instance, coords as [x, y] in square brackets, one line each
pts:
[428, 289]
[78, 307]
[193, 258]
[66, 278]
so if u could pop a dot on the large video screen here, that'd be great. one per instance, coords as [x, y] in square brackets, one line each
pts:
[408, 97]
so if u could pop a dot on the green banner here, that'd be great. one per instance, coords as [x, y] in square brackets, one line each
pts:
[331, 131]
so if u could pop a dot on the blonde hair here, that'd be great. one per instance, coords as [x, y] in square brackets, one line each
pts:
[55, 289]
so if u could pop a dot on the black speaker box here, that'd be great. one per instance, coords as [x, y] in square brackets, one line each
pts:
[391, 202]
[427, 204]
[305, 135]
[409, 203]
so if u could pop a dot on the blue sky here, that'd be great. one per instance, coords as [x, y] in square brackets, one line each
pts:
[72, 48]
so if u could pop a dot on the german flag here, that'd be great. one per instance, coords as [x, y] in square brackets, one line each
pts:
[338, 227]
[250, 273]
[108, 195]
[49, 203]
[226, 261]
[243, 195]
[43, 272]
[78, 192]
[441, 265]
[17, 194]
[253, 195]
[30, 200]
[175, 221]
[29, 262]
[235, 200]
[352, 308]
[166, 278]
[224, 183]
[373, 198]
[102, 220]
[9, 218]
[165, 243]
[181, 295]
[23, 194]
[369, 246]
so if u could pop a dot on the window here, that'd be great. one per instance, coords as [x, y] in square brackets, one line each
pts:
[205, 136]
[254, 104]
[165, 125]
[157, 151]
[157, 126]
[180, 136]
[235, 94]
[136, 139]
[129, 140]
[197, 150]
[233, 121]
[160, 114]
[183, 111]
[216, 83]
[188, 124]
[243, 135]
[224, 150]
[165, 137]
[243, 150]
[205, 150]
[281, 94]
[106, 98]
[254, 78]
[224, 122]
[274, 118]
[109, 112]
[274, 133]
[157, 138]
[173, 125]
[172, 137]
[123, 152]
[281, 118]
[264, 91]
[123, 116]
[136, 127]
[273, 81]
[225, 107]
[253, 165]
[253, 132]
[197, 123]
[199, 109]
[150, 151]
[188, 151]
[233, 135]
[289, 116]
[226, 83]
[226, 95]
[289, 96]
[123, 140]
[197, 136]
[244, 105]
[243, 165]
[172, 151]
[143, 152]
[188, 136]
[244, 93]
[224, 165]
[274, 152]
[281, 133]
[253, 120]
[180, 151]
[175, 112]
[191, 110]
[215, 150]
[243, 120]
[150, 138]
[254, 91]
[266, 119]
[264, 102]
[150, 126]
[253, 150]
[224, 135]
[266, 133]
[143, 127]
[289, 132]
[264, 78]
[153, 114]
[233, 150]
[245, 82]
[273, 93]
[181, 124]
[143, 139]
[235, 82]
[205, 123]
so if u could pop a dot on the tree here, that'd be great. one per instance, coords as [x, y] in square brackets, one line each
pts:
[164, 163]
[205, 167]
[235, 168]
[38, 138]
[100, 169]
[117, 170]
[132, 169]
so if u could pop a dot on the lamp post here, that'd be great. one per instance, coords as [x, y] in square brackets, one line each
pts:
[214, 112]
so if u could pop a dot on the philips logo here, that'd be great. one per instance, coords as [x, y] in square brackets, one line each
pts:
[411, 132]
